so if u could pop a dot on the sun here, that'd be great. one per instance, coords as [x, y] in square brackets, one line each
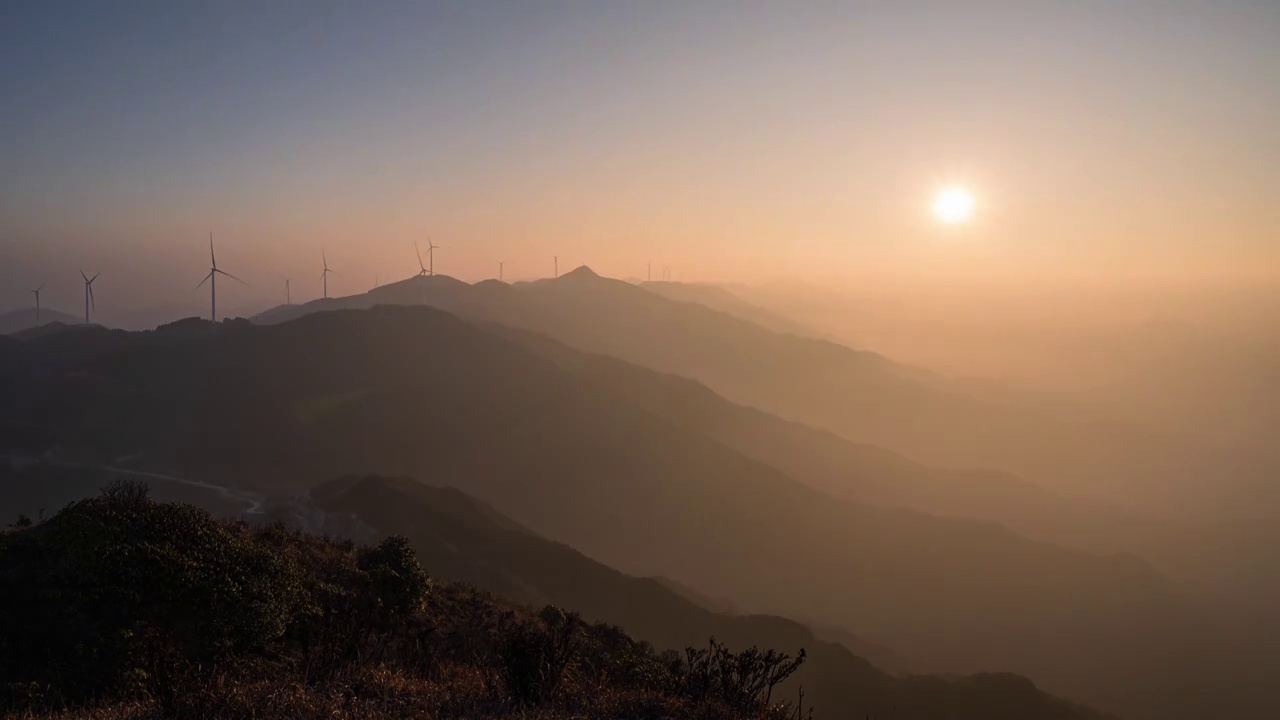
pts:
[953, 205]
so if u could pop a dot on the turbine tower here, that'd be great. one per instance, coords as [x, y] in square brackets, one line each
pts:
[324, 276]
[212, 279]
[89, 300]
[501, 264]
[36, 292]
[556, 258]
[288, 297]
[431, 256]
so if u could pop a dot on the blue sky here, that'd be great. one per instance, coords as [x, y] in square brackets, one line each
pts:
[615, 131]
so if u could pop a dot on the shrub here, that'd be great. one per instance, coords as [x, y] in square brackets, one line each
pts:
[398, 584]
[743, 680]
[535, 653]
[91, 591]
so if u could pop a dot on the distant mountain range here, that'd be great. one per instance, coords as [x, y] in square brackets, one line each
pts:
[629, 467]
[862, 396]
[22, 319]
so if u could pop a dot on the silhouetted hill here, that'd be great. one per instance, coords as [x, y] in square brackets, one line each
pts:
[459, 538]
[861, 396]
[55, 328]
[22, 319]
[414, 392]
[191, 326]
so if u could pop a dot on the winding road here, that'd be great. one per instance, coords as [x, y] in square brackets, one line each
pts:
[254, 503]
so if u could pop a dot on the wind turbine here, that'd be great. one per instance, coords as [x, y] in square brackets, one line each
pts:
[88, 295]
[648, 269]
[556, 258]
[422, 268]
[325, 275]
[212, 279]
[501, 264]
[288, 297]
[36, 292]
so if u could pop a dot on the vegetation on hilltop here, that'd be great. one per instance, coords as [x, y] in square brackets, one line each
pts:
[120, 607]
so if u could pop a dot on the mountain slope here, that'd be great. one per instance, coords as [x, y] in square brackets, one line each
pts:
[461, 539]
[858, 472]
[414, 392]
[1195, 551]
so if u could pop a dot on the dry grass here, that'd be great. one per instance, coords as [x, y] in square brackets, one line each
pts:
[384, 693]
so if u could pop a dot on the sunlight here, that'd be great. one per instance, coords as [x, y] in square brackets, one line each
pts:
[953, 205]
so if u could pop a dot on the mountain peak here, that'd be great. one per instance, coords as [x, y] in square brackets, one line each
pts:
[582, 272]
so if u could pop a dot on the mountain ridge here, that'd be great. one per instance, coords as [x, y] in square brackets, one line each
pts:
[859, 395]
[24, 319]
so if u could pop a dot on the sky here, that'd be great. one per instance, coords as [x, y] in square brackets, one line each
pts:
[736, 141]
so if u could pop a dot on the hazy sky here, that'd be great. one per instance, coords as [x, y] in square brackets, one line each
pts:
[731, 140]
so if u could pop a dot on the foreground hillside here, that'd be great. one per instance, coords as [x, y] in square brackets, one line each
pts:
[461, 539]
[121, 607]
[413, 392]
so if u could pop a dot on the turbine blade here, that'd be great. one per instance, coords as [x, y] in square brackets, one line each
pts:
[93, 302]
[212, 260]
[205, 280]
[86, 277]
[95, 277]
[233, 277]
